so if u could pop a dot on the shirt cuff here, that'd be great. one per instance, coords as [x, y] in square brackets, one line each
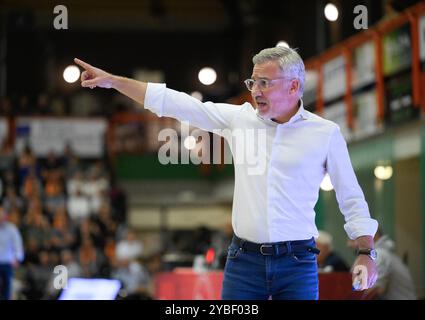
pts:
[154, 98]
[362, 227]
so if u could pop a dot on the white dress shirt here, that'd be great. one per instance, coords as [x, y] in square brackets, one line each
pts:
[274, 198]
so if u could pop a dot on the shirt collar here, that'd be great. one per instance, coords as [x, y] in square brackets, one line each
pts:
[300, 114]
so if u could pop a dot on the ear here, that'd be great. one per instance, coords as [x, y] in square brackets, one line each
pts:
[295, 86]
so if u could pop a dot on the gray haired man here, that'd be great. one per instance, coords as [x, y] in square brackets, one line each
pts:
[11, 253]
[273, 252]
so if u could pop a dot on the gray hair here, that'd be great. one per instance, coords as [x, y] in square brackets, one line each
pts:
[289, 62]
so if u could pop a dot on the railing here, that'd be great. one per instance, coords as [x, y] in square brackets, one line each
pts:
[376, 33]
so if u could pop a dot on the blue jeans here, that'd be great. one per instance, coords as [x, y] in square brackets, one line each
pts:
[6, 275]
[253, 276]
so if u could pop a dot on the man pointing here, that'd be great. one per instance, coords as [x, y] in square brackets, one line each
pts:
[273, 252]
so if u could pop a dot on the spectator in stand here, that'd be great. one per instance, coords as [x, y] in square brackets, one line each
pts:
[54, 191]
[63, 232]
[89, 229]
[78, 206]
[36, 227]
[109, 250]
[54, 197]
[71, 162]
[31, 252]
[394, 279]
[34, 204]
[104, 221]
[26, 162]
[37, 277]
[12, 199]
[89, 258]
[75, 182]
[31, 185]
[50, 235]
[52, 163]
[9, 179]
[14, 216]
[134, 276]
[11, 254]
[135, 279]
[129, 248]
[96, 186]
[68, 260]
[328, 260]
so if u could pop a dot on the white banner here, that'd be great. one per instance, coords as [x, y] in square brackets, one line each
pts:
[363, 65]
[334, 78]
[86, 137]
[310, 89]
[337, 112]
[365, 109]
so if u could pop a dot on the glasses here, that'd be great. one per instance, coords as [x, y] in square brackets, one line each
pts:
[262, 84]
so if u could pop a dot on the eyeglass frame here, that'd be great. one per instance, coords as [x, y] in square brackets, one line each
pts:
[267, 81]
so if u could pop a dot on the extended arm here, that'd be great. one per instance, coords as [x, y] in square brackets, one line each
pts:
[163, 101]
[94, 77]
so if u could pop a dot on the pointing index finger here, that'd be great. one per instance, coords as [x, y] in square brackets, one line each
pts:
[83, 64]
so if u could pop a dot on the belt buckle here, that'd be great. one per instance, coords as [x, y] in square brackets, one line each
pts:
[265, 246]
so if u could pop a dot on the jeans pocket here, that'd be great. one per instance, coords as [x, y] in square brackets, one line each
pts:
[233, 252]
[304, 257]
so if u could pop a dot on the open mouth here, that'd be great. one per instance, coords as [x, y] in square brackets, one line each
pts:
[261, 105]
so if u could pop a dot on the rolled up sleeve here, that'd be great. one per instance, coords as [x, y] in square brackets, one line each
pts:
[154, 98]
[349, 195]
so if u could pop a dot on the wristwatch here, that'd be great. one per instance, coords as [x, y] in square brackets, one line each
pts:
[369, 252]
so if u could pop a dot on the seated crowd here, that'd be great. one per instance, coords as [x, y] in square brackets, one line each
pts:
[70, 212]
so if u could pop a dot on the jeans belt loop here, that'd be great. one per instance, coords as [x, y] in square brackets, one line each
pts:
[242, 244]
[276, 249]
[288, 247]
